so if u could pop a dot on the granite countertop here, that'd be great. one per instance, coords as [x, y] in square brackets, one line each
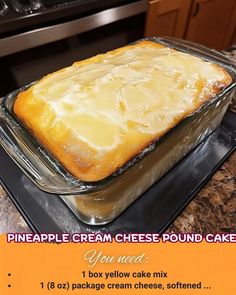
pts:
[213, 209]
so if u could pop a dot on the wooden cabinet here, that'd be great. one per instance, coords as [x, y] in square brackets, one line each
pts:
[230, 34]
[167, 18]
[208, 22]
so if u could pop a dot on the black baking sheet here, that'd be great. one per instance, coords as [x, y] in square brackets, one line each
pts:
[153, 212]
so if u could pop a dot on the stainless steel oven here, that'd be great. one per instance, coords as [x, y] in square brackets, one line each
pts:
[40, 36]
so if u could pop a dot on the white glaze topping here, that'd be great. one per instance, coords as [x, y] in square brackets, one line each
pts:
[139, 90]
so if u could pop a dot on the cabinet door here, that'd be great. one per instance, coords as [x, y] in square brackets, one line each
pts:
[230, 34]
[209, 21]
[167, 18]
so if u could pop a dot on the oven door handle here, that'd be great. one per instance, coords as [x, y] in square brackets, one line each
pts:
[64, 30]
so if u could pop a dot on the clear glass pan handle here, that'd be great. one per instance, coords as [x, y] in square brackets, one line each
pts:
[189, 46]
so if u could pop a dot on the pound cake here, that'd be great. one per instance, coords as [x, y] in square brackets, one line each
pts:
[97, 114]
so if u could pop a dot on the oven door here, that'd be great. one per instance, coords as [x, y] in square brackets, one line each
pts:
[27, 56]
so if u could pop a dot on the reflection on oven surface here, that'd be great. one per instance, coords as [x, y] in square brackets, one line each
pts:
[3, 8]
[40, 36]
[26, 5]
[19, 14]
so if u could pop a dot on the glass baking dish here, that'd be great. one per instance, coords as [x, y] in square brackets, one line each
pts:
[99, 202]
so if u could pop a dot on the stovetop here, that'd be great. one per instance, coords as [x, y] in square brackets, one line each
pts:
[20, 15]
[32, 6]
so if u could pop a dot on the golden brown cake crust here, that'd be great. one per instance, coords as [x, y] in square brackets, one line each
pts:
[96, 140]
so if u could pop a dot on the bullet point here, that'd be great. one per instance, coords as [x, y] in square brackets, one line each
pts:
[9, 274]
[9, 286]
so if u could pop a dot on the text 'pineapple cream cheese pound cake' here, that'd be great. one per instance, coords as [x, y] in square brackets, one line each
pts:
[98, 113]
